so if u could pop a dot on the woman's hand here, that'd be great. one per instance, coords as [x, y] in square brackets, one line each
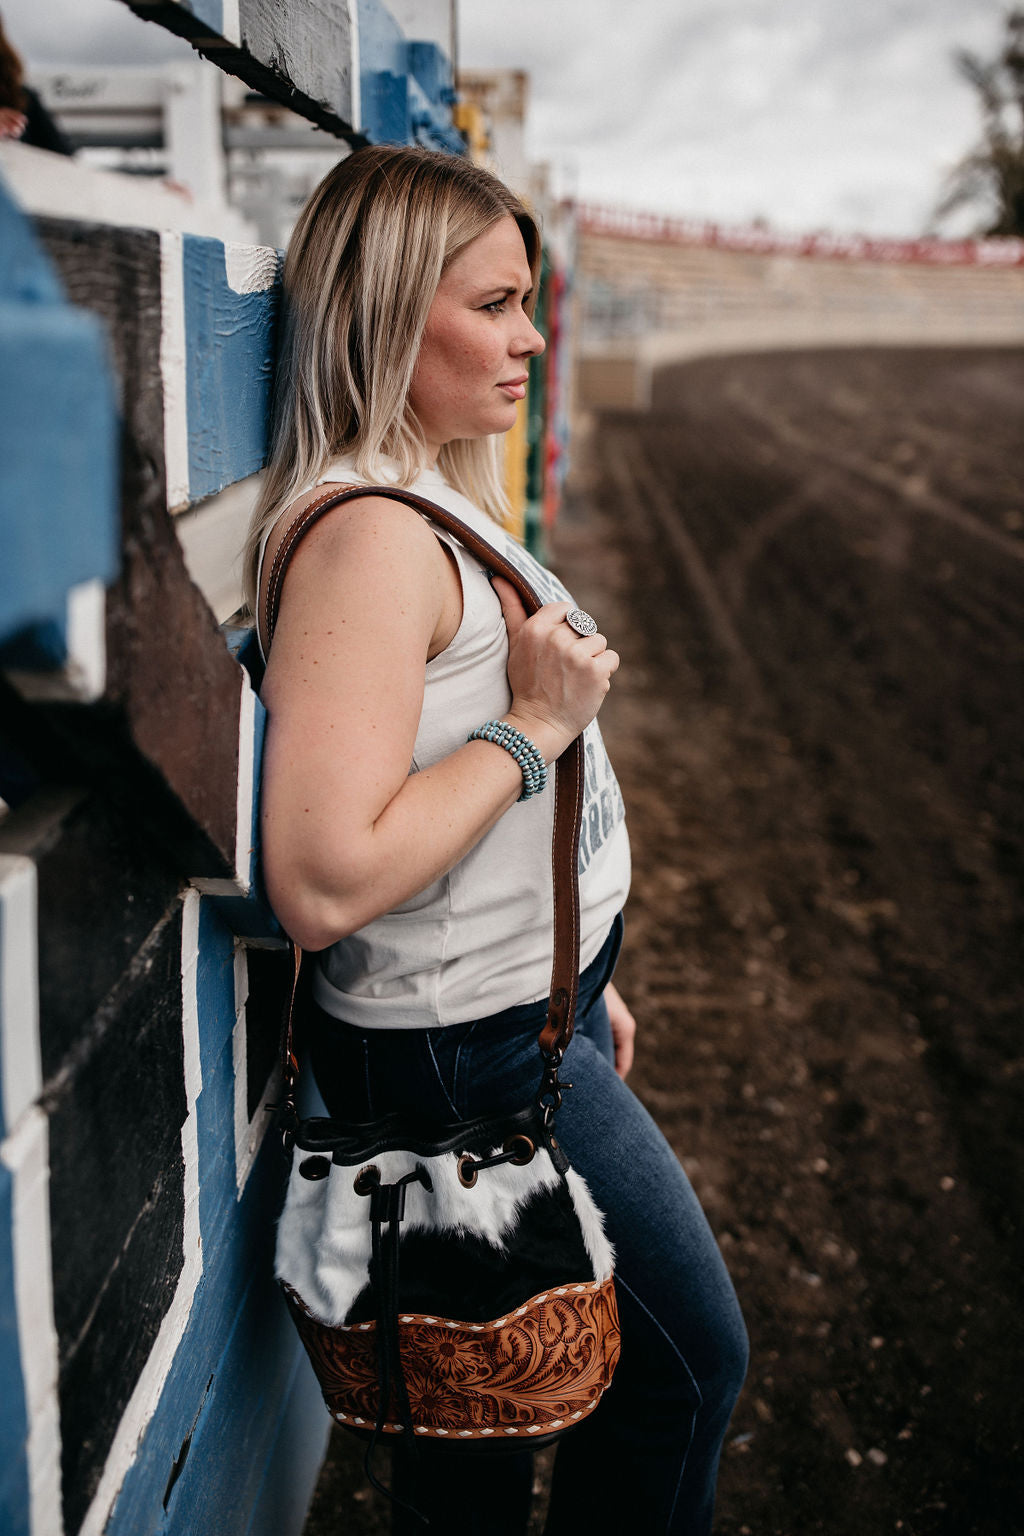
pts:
[623, 1029]
[558, 678]
[12, 123]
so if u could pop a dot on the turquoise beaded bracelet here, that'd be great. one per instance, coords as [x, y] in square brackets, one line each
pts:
[531, 764]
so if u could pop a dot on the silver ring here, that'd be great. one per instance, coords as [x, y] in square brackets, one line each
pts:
[581, 622]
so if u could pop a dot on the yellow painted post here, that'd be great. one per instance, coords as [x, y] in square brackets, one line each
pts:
[469, 119]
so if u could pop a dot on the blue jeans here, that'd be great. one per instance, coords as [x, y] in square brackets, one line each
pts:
[647, 1459]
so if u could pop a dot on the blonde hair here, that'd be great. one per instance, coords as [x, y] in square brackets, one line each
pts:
[362, 269]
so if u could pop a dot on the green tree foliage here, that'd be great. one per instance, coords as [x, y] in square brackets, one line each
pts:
[993, 173]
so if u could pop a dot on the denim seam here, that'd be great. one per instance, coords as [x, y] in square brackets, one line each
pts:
[366, 1078]
[457, 1072]
[693, 1380]
[437, 1073]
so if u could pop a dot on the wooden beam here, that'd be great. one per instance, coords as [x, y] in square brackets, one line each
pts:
[349, 68]
[300, 54]
[166, 734]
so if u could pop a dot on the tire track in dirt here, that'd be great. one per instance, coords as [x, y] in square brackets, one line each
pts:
[632, 472]
[824, 936]
[910, 489]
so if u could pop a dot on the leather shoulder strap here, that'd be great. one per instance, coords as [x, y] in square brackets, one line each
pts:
[557, 1031]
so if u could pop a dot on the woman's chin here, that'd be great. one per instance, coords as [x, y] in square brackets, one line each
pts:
[496, 424]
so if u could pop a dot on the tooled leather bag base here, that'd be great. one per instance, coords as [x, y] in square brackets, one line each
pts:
[526, 1376]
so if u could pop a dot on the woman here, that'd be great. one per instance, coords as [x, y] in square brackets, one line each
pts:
[22, 114]
[409, 287]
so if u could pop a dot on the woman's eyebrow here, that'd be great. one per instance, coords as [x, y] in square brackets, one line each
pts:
[506, 290]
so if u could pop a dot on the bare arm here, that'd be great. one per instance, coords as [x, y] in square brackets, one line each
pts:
[348, 833]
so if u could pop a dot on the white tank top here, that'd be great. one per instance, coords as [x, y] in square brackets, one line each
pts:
[478, 940]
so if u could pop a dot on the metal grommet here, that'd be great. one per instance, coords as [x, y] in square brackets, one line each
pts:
[522, 1147]
[367, 1180]
[467, 1171]
[315, 1167]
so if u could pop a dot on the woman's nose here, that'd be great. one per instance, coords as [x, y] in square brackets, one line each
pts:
[532, 343]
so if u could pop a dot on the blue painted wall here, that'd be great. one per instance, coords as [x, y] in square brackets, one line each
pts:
[13, 1416]
[210, 11]
[229, 341]
[406, 86]
[58, 449]
[237, 1393]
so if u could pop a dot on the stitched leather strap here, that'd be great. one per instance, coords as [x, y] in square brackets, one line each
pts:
[558, 1028]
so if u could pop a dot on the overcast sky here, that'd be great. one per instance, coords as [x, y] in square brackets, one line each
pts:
[838, 114]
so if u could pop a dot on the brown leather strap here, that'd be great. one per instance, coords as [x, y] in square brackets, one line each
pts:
[557, 1031]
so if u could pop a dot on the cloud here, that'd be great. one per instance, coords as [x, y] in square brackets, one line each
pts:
[813, 113]
[52, 33]
[817, 113]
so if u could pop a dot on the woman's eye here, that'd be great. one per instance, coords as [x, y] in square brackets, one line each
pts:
[496, 307]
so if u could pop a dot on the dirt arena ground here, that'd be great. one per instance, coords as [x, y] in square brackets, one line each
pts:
[813, 566]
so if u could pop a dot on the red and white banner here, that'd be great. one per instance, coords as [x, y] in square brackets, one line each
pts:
[630, 224]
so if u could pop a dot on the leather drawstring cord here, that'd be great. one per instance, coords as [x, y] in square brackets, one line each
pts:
[387, 1208]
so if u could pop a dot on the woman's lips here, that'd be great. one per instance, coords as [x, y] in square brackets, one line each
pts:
[515, 387]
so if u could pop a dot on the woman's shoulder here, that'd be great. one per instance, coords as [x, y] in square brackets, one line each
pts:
[351, 527]
[363, 512]
[288, 520]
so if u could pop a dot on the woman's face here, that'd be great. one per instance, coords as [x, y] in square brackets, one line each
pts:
[472, 364]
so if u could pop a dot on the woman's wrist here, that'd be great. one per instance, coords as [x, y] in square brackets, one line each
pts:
[549, 739]
[521, 749]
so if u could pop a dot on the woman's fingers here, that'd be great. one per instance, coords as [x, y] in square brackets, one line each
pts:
[559, 678]
[12, 123]
[549, 617]
[511, 605]
[599, 647]
[623, 1029]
